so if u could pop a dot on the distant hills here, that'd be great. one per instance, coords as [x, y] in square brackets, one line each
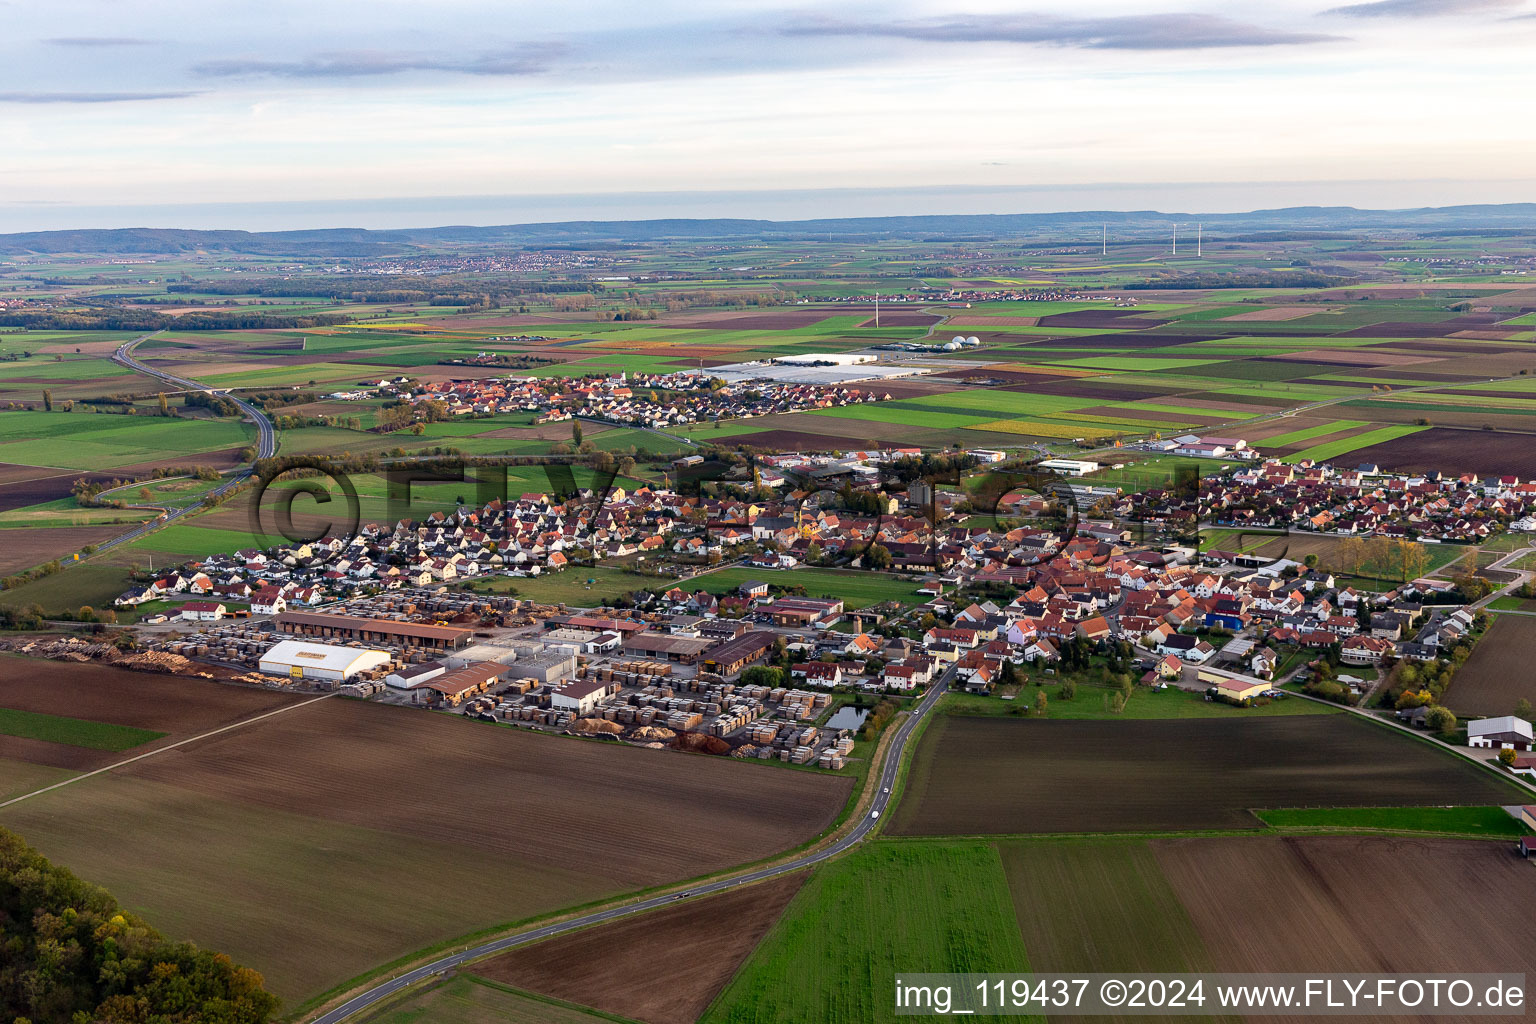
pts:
[1061, 228]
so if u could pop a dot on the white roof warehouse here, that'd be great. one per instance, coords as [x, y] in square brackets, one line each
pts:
[302, 660]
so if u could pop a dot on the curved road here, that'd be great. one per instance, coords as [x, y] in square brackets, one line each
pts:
[266, 442]
[861, 828]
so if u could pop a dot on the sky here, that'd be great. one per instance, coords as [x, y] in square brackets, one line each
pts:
[174, 113]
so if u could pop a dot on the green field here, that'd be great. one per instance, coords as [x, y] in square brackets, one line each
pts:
[77, 732]
[571, 586]
[1307, 433]
[856, 589]
[1468, 821]
[92, 584]
[1092, 702]
[884, 908]
[106, 442]
[1333, 449]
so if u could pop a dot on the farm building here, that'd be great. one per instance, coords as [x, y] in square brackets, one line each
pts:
[321, 662]
[1239, 690]
[1503, 733]
[728, 658]
[392, 631]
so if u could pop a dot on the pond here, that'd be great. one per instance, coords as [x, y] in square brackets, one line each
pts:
[848, 717]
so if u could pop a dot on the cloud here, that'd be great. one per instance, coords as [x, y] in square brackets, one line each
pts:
[525, 60]
[1174, 31]
[1419, 8]
[90, 97]
[98, 41]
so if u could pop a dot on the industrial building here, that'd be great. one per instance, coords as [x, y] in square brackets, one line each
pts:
[580, 697]
[681, 649]
[453, 688]
[320, 662]
[543, 668]
[481, 652]
[407, 676]
[390, 631]
[728, 658]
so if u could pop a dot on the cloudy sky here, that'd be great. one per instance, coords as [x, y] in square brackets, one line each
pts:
[379, 113]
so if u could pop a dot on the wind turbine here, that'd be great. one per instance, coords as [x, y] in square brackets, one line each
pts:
[1199, 238]
[1175, 238]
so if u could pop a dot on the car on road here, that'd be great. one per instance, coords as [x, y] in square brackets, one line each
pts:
[874, 814]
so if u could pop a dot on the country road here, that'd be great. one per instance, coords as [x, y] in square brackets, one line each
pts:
[866, 823]
[266, 444]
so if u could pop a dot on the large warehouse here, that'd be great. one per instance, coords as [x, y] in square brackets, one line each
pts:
[321, 662]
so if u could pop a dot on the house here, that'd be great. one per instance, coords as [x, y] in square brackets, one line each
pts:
[1169, 667]
[1503, 733]
[202, 611]
[268, 601]
[1366, 650]
[1262, 663]
[818, 673]
[1190, 648]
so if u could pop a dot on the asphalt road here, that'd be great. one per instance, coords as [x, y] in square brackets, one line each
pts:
[266, 442]
[860, 830]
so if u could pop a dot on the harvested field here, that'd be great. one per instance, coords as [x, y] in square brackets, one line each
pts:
[904, 319]
[21, 486]
[327, 761]
[175, 705]
[664, 967]
[966, 320]
[24, 547]
[1475, 451]
[1099, 905]
[1103, 389]
[1101, 319]
[1498, 674]
[249, 842]
[999, 776]
[466, 999]
[1321, 905]
[1273, 314]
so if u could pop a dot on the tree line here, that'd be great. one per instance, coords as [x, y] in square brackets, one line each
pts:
[148, 320]
[69, 953]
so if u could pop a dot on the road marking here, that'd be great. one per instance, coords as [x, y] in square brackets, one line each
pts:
[161, 750]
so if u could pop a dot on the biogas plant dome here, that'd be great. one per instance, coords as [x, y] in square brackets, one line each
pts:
[961, 340]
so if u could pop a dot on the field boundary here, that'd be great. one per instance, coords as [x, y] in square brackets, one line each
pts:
[169, 746]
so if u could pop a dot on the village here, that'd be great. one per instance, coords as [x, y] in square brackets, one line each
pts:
[652, 400]
[765, 670]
